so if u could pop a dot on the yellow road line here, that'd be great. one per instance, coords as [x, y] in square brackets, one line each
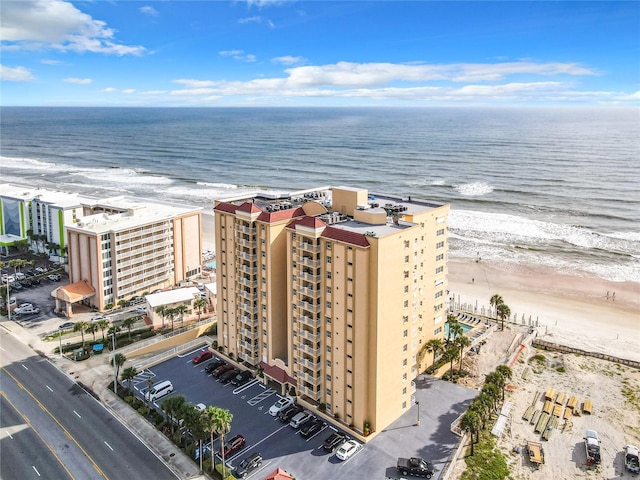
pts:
[44, 409]
[26, 420]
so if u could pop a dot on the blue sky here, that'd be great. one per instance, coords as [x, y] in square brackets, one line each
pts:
[319, 53]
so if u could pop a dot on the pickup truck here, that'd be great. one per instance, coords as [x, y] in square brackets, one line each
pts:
[592, 447]
[414, 466]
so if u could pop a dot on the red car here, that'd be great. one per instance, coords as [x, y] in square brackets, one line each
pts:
[232, 446]
[222, 369]
[202, 356]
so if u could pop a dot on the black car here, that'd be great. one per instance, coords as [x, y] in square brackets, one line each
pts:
[227, 376]
[215, 363]
[242, 378]
[288, 413]
[334, 440]
[310, 429]
[249, 463]
[307, 423]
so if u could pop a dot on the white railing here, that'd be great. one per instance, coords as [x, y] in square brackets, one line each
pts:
[147, 362]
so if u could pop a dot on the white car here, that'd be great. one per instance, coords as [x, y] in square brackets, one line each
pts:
[280, 405]
[25, 305]
[54, 277]
[348, 449]
[201, 407]
[26, 311]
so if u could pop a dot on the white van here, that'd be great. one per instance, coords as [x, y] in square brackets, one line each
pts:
[159, 390]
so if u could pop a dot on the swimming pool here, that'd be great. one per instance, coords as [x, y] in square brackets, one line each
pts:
[211, 264]
[465, 328]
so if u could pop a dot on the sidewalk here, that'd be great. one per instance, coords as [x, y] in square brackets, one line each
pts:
[95, 375]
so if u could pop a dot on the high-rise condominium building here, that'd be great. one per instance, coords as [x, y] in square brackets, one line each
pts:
[333, 292]
[124, 246]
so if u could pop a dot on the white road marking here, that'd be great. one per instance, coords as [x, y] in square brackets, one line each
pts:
[36, 470]
[25, 367]
[77, 414]
[49, 388]
[105, 442]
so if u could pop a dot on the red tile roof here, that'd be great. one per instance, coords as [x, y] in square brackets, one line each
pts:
[226, 207]
[249, 207]
[281, 215]
[346, 236]
[279, 474]
[277, 374]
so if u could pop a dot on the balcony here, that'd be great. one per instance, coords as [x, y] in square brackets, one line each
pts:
[249, 257]
[248, 270]
[243, 242]
[249, 321]
[310, 321]
[310, 349]
[309, 292]
[312, 379]
[309, 262]
[310, 307]
[247, 282]
[309, 247]
[310, 277]
[246, 230]
[309, 392]
[314, 337]
[413, 387]
[251, 296]
[311, 365]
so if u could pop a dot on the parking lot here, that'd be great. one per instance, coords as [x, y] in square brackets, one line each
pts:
[282, 446]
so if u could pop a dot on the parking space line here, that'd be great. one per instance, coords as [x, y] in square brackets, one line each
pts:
[260, 397]
[244, 387]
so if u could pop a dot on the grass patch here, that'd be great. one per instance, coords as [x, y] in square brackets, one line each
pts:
[487, 463]
[631, 395]
[561, 369]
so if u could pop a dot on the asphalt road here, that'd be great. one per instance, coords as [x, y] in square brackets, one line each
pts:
[80, 435]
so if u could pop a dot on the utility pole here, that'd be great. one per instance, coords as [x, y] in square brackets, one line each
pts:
[418, 405]
[113, 356]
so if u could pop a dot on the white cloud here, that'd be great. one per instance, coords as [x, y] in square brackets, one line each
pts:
[129, 91]
[15, 74]
[147, 10]
[109, 90]
[191, 83]
[58, 24]
[154, 92]
[51, 62]
[238, 55]
[255, 19]
[288, 60]
[78, 81]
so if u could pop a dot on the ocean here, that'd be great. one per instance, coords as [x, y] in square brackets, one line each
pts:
[555, 188]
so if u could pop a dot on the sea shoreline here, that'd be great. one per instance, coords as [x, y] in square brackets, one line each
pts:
[569, 309]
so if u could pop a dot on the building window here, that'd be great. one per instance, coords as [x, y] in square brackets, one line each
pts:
[406, 259]
[440, 257]
[406, 304]
[404, 390]
[328, 378]
[404, 362]
[329, 275]
[405, 333]
[440, 245]
[404, 405]
[406, 289]
[329, 260]
[328, 304]
[404, 377]
[329, 290]
[328, 245]
[328, 333]
[406, 274]
[404, 347]
[406, 244]
[328, 349]
[440, 232]
[439, 270]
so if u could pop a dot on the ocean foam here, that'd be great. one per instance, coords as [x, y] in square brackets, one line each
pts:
[124, 176]
[474, 189]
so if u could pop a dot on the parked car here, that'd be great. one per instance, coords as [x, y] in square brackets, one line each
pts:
[242, 378]
[288, 413]
[26, 311]
[249, 463]
[201, 407]
[97, 318]
[592, 447]
[334, 440]
[20, 276]
[66, 325]
[221, 369]
[297, 421]
[211, 366]
[310, 429]
[227, 376]
[347, 449]
[25, 305]
[15, 286]
[232, 446]
[414, 466]
[54, 277]
[41, 269]
[202, 356]
[280, 405]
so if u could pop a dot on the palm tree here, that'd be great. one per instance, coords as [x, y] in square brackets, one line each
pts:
[81, 326]
[128, 374]
[119, 360]
[128, 323]
[181, 310]
[122, 302]
[434, 345]
[481, 406]
[171, 406]
[92, 328]
[450, 354]
[149, 385]
[199, 305]
[494, 301]
[198, 425]
[221, 424]
[102, 325]
[505, 371]
[162, 311]
[503, 312]
[462, 342]
[493, 392]
[471, 423]
[171, 313]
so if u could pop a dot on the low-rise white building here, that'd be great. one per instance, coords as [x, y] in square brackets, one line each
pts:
[159, 305]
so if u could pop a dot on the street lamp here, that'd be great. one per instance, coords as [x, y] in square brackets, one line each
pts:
[418, 405]
[8, 300]
[113, 356]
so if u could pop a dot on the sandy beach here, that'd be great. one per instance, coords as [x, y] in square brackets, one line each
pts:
[570, 310]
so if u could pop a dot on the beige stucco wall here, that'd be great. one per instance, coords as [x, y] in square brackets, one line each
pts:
[171, 342]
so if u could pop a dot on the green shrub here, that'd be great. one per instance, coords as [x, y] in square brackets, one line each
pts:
[143, 411]
[561, 370]
[129, 399]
